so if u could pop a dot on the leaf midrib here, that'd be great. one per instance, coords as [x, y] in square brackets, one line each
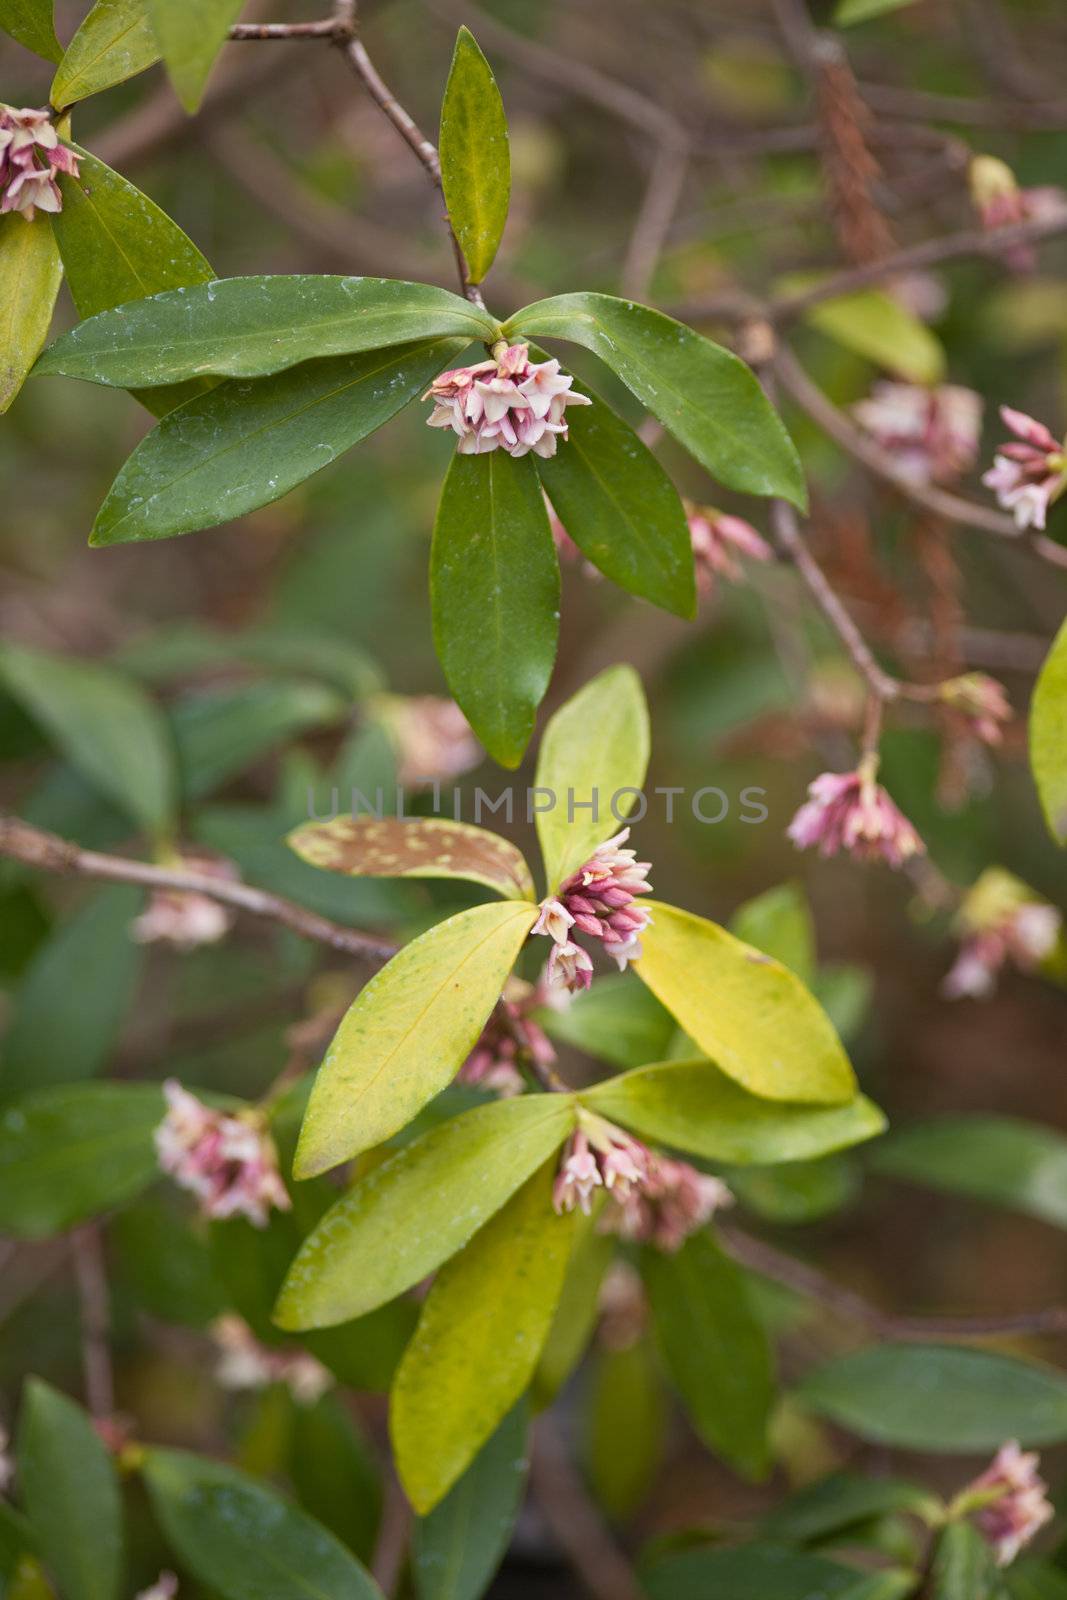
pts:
[110, 43]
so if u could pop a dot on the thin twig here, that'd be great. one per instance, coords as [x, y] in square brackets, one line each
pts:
[663, 191]
[327, 28]
[90, 1274]
[394, 1532]
[574, 1519]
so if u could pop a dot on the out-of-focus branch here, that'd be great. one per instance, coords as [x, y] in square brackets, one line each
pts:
[663, 191]
[575, 1520]
[90, 1273]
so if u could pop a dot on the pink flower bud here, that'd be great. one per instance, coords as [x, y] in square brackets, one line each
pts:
[164, 1588]
[227, 1160]
[1027, 478]
[1000, 921]
[1001, 203]
[597, 900]
[1015, 1500]
[244, 1363]
[850, 811]
[433, 738]
[508, 403]
[183, 919]
[30, 158]
[982, 701]
[718, 540]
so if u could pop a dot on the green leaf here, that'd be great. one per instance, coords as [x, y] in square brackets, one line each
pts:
[796, 1191]
[1033, 1579]
[876, 326]
[70, 1493]
[1021, 1165]
[374, 1243]
[245, 444]
[114, 42]
[839, 1502]
[410, 847]
[73, 999]
[494, 585]
[627, 1427]
[475, 158]
[104, 724]
[779, 922]
[766, 1572]
[850, 11]
[701, 393]
[220, 732]
[457, 1548]
[692, 1106]
[1048, 737]
[751, 1015]
[715, 1348]
[334, 1473]
[578, 1310]
[942, 1398]
[30, 22]
[616, 1020]
[243, 1539]
[620, 507]
[71, 1152]
[409, 1031]
[253, 327]
[594, 749]
[964, 1568]
[31, 272]
[190, 35]
[481, 1331]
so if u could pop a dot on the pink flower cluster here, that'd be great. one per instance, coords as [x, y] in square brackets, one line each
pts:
[182, 918]
[1025, 934]
[982, 702]
[31, 156]
[228, 1161]
[932, 434]
[1011, 1501]
[718, 540]
[509, 1033]
[506, 403]
[851, 811]
[597, 900]
[433, 738]
[653, 1200]
[244, 1363]
[1002, 203]
[1029, 473]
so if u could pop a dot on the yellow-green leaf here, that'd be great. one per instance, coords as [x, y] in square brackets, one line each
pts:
[408, 1032]
[852, 11]
[30, 271]
[1048, 737]
[875, 325]
[691, 1105]
[478, 1340]
[475, 158]
[751, 1015]
[190, 34]
[414, 847]
[594, 754]
[114, 42]
[418, 1208]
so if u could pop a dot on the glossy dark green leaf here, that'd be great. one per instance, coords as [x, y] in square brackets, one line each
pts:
[620, 507]
[73, 1000]
[241, 1538]
[1002, 1160]
[942, 1398]
[247, 443]
[104, 724]
[494, 585]
[334, 1473]
[627, 1427]
[190, 36]
[114, 42]
[252, 327]
[475, 158]
[766, 1572]
[458, 1547]
[70, 1492]
[693, 1106]
[700, 392]
[715, 1347]
[74, 1151]
[1048, 737]
[779, 922]
[964, 1568]
[30, 22]
[31, 272]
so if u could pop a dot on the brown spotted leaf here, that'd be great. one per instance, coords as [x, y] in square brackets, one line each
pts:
[424, 847]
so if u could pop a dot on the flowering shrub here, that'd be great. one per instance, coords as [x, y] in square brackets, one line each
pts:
[412, 1099]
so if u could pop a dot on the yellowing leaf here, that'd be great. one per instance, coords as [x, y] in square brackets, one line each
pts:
[421, 847]
[475, 159]
[877, 326]
[595, 747]
[1048, 737]
[114, 42]
[751, 1015]
[478, 1340]
[408, 1032]
[30, 272]
[418, 1208]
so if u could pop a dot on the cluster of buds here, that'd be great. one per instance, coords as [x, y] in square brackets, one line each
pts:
[1001, 920]
[227, 1160]
[506, 403]
[244, 1363]
[1030, 472]
[851, 811]
[981, 701]
[182, 918]
[597, 900]
[510, 1034]
[932, 434]
[432, 738]
[1008, 1503]
[598, 1155]
[718, 541]
[31, 157]
[1002, 203]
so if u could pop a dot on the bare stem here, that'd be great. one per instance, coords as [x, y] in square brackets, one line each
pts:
[90, 1274]
[575, 1521]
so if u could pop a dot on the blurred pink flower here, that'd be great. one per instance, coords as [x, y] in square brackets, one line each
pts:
[597, 900]
[164, 1588]
[983, 701]
[1016, 1505]
[1002, 203]
[227, 1160]
[433, 738]
[244, 1363]
[851, 811]
[1027, 477]
[508, 402]
[672, 1201]
[932, 434]
[187, 920]
[718, 540]
[1025, 934]
[30, 158]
